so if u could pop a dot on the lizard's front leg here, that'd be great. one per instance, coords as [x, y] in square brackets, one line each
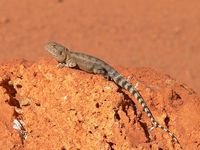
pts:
[70, 63]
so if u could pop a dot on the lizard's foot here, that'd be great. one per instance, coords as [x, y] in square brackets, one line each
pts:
[60, 65]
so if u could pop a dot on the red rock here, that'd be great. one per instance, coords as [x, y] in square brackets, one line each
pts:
[73, 109]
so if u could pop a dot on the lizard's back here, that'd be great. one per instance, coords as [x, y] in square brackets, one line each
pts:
[89, 63]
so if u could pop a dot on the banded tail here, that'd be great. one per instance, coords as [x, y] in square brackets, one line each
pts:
[121, 81]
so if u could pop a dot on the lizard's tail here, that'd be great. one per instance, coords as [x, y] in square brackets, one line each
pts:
[169, 132]
[121, 81]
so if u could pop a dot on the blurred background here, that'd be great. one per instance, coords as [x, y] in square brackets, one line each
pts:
[164, 35]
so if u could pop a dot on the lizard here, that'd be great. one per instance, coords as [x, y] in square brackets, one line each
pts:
[68, 58]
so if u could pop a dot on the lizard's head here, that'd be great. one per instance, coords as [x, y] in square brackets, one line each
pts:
[59, 52]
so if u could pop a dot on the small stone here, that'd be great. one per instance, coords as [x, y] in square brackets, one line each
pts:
[25, 102]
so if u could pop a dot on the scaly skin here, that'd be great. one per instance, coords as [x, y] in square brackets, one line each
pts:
[67, 58]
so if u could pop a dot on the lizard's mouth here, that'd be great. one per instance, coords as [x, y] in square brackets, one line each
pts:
[51, 49]
[53, 52]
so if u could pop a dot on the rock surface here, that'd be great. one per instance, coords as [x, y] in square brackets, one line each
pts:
[70, 109]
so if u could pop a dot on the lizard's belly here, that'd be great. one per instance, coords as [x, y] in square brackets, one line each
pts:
[87, 68]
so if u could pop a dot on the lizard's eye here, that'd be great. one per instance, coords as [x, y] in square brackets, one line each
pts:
[60, 52]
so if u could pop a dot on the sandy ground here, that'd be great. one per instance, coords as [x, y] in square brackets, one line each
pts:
[137, 35]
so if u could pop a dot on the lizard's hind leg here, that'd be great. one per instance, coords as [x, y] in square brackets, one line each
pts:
[101, 71]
